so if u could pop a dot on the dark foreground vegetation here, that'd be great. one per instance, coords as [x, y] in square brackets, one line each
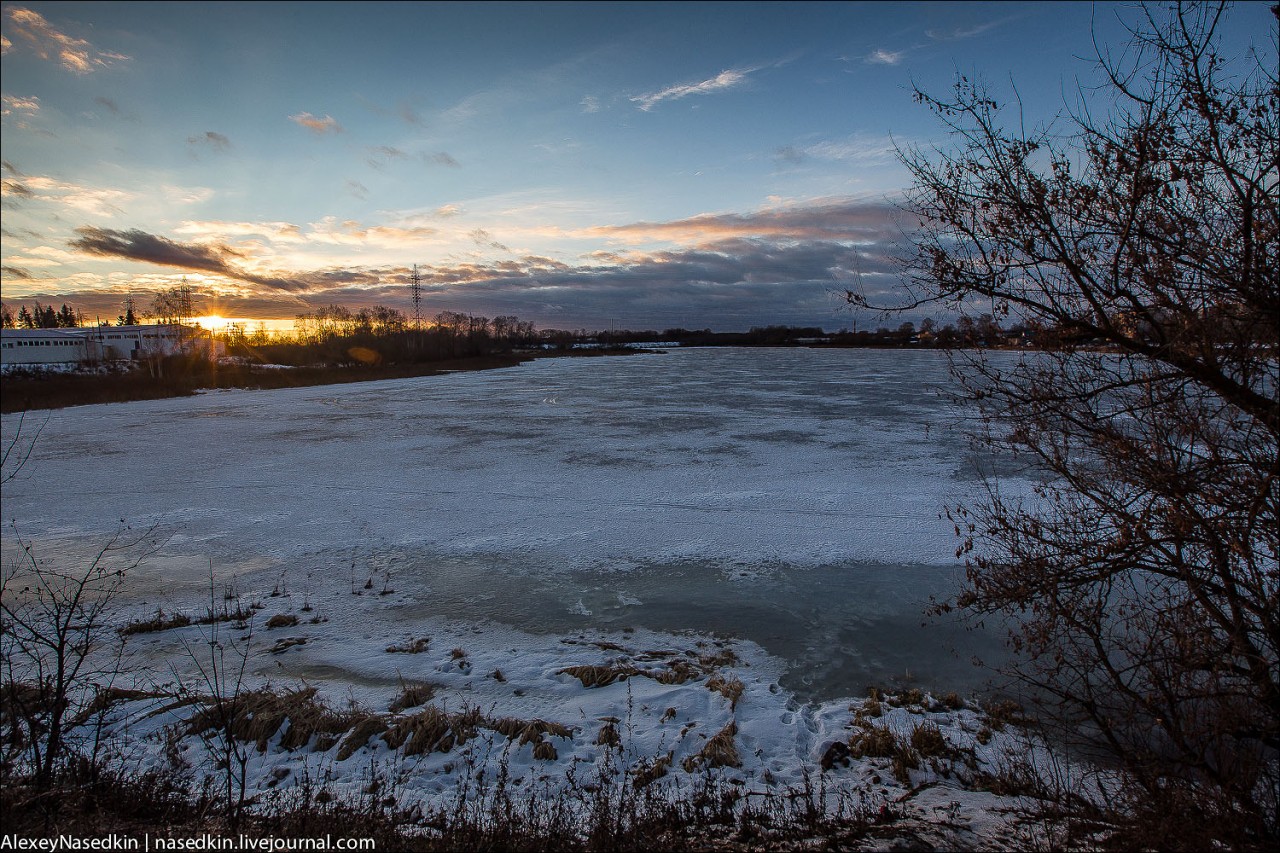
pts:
[92, 802]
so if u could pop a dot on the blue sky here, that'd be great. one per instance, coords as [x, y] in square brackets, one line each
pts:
[581, 165]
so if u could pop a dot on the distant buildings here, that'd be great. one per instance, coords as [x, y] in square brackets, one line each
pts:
[91, 344]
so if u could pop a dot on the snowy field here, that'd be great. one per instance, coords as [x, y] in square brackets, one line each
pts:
[782, 505]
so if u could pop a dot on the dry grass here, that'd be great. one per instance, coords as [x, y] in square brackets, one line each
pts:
[432, 730]
[358, 737]
[159, 622]
[284, 644]
[648, 772]
[719, 751]
[873, 742]
[412, 696]
[608, 735]
[729, 688]
[282, 620]
[256, 716]
[928, 741]
[413, 647]
[600, 676]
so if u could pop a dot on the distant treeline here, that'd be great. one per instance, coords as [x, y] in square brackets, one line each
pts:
[983, 331]
[336, 335]
[41, 317]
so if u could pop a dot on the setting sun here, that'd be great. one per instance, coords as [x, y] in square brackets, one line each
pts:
[212, 322]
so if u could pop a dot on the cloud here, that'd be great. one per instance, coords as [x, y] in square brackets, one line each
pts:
[723, 81]
[17, 272]
[15, 188]
[483, 239]
[210, 139]
[285, 232]
[357, 189]
[961, 32]
[318, 126]
[787, 263]
[880, 56]
[381, 155]
[74, 54]
[15, 104]
[443, 158]
[590, 104]
[111, 105]
[97, 201]
[137, 245]
[833, 220]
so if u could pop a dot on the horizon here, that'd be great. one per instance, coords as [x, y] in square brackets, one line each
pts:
[641, 166]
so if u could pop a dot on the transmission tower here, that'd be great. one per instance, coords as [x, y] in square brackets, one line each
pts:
[415, 289]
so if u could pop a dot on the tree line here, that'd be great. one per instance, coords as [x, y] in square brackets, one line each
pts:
[41, 317]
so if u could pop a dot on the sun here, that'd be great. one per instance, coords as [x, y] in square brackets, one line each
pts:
[212, 322]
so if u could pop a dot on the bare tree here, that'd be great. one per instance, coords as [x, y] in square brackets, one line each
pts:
[53, 624]
[1143, 573]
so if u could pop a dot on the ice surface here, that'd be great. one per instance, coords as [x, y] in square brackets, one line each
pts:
[784, 502]
[790, 497]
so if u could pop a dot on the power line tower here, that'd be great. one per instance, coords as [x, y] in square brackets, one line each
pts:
[415, 289]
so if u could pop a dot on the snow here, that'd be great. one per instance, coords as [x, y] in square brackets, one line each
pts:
[781, 504]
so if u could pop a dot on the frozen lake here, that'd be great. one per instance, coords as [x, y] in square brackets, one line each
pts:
[786, 497]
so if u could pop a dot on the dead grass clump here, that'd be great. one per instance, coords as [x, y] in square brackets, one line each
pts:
[646, 773]
[159, 622]
[729, 688]
[716, 660]
[608, 736]
[678, 671]
[928, 741]
[367, 727]
[527, 731]
[212, 617]
[253, 716]
[412, 696]
[107, 698]
[545, 751]
[1002, 713]
[285, 643]
[309, 717]
[599, 676]
[953, 701]
[432, 730]
[914, 696]
[873, 742]
[257, 715]
[413, 647]
[720, 751]
[905, 759]
[282, 620]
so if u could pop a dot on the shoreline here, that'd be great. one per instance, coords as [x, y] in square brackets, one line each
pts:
[41, 389]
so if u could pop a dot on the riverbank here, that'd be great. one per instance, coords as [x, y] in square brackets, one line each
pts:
[42, 388]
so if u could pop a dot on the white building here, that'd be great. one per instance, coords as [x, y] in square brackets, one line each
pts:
[102, 343]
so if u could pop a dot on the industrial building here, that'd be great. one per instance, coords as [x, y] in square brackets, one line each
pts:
[91, 344]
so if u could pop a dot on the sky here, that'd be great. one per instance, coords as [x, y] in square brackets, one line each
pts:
[580, 165]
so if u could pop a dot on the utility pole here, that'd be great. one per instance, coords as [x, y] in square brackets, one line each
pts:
[415, 289]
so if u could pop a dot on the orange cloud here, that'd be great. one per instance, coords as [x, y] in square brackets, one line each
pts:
[74, 54]
[318, 126]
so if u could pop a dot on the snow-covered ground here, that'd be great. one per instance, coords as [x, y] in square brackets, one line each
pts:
[781, 504]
